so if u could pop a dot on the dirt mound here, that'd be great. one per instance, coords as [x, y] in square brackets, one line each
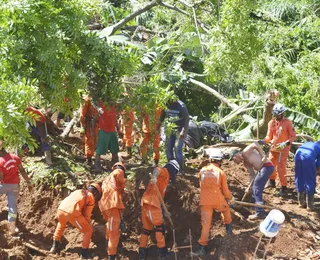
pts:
[298, 237]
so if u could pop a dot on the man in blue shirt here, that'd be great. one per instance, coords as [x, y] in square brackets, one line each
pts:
[177, 113]
[307, 165]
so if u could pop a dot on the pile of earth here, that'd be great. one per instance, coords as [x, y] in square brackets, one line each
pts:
[299, 236]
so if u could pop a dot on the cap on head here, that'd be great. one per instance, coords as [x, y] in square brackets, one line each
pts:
[95, 188]
[278, 109]
[233, 153]
[119, 165]
[173, 168]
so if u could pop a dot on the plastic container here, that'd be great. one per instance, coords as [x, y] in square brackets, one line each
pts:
[271, 224]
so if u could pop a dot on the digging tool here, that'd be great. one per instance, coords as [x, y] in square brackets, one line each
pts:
[251, 183]
[262, 206]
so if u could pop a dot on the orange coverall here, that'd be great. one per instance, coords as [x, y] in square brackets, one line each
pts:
[278, 132]
[126, 125]
[151, 209]
[89, 116]
[76, 209]
[151, 133]
[213, 194]
[111, 206]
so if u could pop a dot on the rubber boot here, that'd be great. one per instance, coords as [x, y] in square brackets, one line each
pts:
[282, 192]
[155, 163]
[302, 199]
[310, 202]
[229, 229]
[202, 251]
[89, 161]
[55, 247]
[115, 158]
[97, 166]
[111, 257]
[164, 254]
[142, 253]
[47, 155]
[272, 183]
[84, 253]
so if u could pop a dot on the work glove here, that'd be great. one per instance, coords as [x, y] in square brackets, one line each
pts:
[261, 142]
[123, 227]
[281, 146]
[231, 202]
[154, 176]
[82, 131]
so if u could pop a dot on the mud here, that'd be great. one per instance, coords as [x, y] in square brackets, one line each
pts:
[297, 239]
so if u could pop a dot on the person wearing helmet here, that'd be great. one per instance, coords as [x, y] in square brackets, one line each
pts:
[10, 166]
[151, 208]
[76, 209]
[89, 119]
[254, 159]
[214, 195]
[281, 134]
[111, 206]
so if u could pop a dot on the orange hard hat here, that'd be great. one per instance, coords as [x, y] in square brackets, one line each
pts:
[119, 164]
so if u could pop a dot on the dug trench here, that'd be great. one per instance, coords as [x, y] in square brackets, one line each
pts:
[298, 237]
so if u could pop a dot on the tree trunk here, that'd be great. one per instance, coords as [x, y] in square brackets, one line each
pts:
[67, 130]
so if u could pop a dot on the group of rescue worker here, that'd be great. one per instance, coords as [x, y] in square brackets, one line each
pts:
[100, 128]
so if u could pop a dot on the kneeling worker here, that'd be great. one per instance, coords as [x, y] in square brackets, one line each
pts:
[77, 209]
[214, 194]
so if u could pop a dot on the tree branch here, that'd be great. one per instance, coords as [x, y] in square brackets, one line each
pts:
[175, 8]
[128, 18]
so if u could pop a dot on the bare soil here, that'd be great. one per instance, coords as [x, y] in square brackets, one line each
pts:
[299, 236]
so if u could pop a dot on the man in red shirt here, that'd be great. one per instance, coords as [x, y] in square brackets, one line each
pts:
[107, 135]
[10, 165]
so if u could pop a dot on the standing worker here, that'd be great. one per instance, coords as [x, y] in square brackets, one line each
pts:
[10, 166]
[307, 165]
[214, 194]
[111, 206]
[127, 128]
[254, 159]
[76, 209]
[107, 135]
[150, 133]
[177, 113]
[152, 209]
[89, 119]
[39, 132]
[281, 134]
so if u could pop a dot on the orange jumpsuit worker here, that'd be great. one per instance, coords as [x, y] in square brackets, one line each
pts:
[149, 129]
[111, 206]
[127, 122]
[281, 134]
[214, 192]
[89, 118]
[151, 208]
[77, 209]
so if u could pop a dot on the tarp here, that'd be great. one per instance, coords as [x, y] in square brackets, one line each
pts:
[198, 131]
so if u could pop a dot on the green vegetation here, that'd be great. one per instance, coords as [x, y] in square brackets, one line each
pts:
[48, 52]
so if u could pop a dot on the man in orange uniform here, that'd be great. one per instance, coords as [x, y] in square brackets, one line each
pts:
[214, 192]
[281, 134]
[127, 122]
[151, 208]
[111, 206]
[107, 135]
[89, 118]
[76, 209]
[148, 133]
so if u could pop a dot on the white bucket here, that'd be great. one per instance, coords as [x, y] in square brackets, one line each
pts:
[271, 224]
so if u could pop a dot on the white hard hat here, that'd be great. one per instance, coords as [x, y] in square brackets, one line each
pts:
[278, 109]
[215, 154]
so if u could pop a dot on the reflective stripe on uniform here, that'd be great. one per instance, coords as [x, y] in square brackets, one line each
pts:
[78, 224]
[150, 215]
[204, 218]
[111, 220]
